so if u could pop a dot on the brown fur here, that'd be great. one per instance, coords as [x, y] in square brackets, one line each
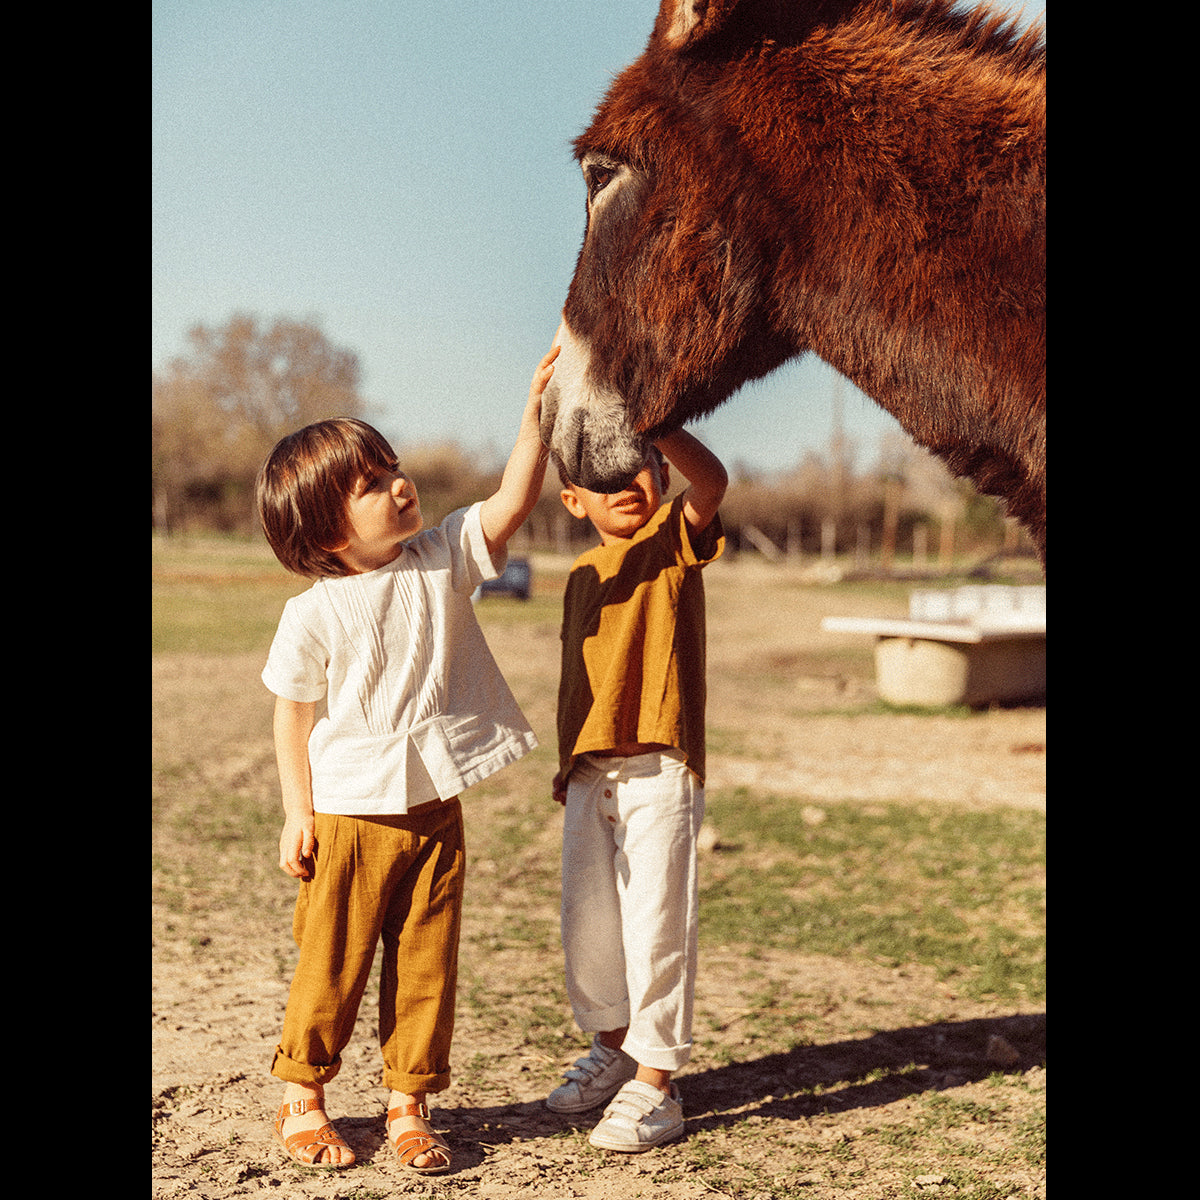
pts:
[858, 178]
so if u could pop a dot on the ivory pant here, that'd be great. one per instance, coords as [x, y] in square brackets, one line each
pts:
[399, 878]
[630, 901]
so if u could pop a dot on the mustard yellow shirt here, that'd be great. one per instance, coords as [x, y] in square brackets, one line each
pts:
[633, 642]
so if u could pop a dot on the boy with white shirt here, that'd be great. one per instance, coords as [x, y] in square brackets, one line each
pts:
[415, 711]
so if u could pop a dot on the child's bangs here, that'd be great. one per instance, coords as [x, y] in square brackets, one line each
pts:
[363, 454]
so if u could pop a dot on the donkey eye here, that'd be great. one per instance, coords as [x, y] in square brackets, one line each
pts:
[599, 176]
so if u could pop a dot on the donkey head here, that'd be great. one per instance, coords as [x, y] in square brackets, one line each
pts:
[666, 315]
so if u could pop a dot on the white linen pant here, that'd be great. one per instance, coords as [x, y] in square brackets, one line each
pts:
[630, 901]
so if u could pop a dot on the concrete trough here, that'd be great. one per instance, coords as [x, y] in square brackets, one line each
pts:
[990, 647]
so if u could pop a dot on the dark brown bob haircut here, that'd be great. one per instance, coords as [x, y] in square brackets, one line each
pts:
[304, 487]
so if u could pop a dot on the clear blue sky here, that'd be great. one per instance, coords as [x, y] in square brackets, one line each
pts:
[399, 171]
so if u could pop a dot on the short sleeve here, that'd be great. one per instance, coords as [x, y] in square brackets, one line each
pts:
[471, 561]
[297, 662]
[696, 549]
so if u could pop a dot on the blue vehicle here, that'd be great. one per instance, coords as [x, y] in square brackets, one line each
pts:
[516, 581]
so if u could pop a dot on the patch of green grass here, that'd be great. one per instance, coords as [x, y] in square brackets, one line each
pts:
[885, 708]
[943, 1110]
[962, 892]
[215, 597]
[201, 618]
[938, 1151]
[219, 852]
[519, 931]
[499, 612]
[1030, 1135]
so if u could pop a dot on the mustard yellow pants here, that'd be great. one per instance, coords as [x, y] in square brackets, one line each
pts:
[399, 878]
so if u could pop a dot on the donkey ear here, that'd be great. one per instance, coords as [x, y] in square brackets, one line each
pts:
[684, 22]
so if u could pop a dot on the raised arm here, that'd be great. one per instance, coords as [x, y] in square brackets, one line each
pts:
[704, 471]
[503, 513]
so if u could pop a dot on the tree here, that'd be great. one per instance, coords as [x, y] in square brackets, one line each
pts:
[216, 413]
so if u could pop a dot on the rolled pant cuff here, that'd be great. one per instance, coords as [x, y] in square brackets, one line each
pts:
[414, 1085]
[660, 1058]
[291, 1071]
[603, 1020]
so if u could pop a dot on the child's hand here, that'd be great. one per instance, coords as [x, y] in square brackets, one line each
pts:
[558, 789]
[296, 845]
[541, 377]
[505, 510]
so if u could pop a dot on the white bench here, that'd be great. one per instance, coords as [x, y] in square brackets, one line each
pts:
[970, 645]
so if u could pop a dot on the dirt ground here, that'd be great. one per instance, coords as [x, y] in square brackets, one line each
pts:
[220, 976]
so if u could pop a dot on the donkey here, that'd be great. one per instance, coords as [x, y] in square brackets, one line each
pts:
[864, 179]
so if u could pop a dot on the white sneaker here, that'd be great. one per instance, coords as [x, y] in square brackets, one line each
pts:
[592, 1080]
[639, 1118]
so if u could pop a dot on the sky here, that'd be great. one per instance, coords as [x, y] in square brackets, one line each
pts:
[400, 173]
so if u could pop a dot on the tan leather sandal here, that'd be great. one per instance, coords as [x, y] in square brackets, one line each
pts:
[303, 1147]
[412, 1144]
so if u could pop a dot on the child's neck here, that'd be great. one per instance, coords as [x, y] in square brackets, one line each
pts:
[357, 566]
[614, 539]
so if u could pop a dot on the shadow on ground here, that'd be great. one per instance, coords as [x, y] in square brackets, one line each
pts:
[809, 1081]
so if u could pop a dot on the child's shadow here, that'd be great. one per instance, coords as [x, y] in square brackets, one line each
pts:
[809, 1081]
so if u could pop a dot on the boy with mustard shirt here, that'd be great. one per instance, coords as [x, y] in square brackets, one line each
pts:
[631, 778]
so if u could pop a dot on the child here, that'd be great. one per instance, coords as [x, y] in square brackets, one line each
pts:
[415, 710]
[631, 758]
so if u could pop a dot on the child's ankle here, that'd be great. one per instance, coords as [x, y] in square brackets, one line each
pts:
[659, 1079]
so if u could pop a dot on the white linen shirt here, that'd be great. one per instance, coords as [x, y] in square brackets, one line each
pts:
[416, 708]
